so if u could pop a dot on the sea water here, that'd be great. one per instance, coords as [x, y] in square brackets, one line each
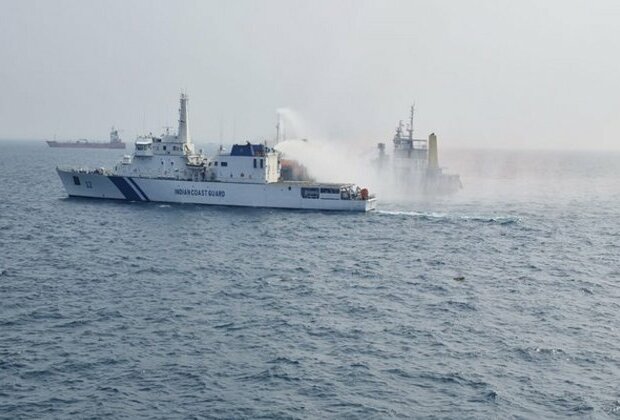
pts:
[500, 301]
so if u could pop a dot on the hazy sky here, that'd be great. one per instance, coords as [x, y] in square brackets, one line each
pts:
[482, 73]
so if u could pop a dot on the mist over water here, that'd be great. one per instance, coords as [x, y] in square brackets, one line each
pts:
[493, 175]
[520, 175]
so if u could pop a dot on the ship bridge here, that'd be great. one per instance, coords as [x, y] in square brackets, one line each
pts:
[167, 156]
[248, 150]
[246, 163]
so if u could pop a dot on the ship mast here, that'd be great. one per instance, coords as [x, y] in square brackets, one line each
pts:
[410, 128]
[278, 128]
[183, 133]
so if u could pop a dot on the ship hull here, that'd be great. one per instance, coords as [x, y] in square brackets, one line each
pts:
[286, 195]
[85, 145]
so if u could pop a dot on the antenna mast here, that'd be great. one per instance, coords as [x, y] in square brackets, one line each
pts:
[221, 130]
[278, 127]
[410, 129]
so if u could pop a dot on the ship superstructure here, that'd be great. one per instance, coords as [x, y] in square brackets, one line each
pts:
[168, 169]
[414, 163]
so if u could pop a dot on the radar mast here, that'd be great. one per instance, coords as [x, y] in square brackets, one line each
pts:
[410, 128]
[183, 133]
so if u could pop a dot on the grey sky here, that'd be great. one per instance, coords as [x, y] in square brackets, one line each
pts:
[482, 73]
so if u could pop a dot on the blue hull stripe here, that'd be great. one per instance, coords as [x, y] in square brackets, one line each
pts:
[135, 184]
[125, 188]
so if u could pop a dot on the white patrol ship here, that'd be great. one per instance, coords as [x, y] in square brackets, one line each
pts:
[168, 169]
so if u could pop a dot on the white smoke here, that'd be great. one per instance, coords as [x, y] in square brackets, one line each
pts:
[327, 160]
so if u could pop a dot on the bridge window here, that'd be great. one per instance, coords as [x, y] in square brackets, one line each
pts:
[330, 190]
[223, 163]
[310, 193]
[76, 180]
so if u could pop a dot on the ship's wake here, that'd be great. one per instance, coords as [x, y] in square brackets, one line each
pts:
[435, 216]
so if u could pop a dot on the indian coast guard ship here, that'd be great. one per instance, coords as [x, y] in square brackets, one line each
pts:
[167, 169]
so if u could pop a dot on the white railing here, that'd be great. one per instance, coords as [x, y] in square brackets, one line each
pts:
[97, 171]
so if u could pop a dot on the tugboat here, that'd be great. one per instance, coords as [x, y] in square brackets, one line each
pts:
[114, 143]
[414, 164]
[168, 169]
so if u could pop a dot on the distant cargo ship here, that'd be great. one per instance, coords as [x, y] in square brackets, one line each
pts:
[114, 143]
